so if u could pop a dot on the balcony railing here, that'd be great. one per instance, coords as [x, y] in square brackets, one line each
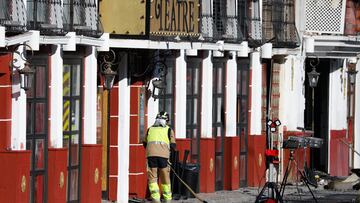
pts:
[279, 23]
[250, 22]
[220, 21]
[244, 25]
[81, 16]
[12, 15]
[45, 15]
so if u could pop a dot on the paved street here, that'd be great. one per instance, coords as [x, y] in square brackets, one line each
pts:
[293, 194]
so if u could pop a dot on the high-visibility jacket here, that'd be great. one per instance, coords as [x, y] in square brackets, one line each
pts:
[158, 141]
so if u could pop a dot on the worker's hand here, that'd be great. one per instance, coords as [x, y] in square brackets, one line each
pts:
[144, 144]
[172, 147]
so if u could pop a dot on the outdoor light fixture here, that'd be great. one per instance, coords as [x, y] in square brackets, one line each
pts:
[159, 71]
[107, 62]
[352, 72]
[313, 75]
[27, 76]
[26, 73]
[109, 77]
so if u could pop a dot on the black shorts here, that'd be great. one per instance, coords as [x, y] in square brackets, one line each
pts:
[157, 162]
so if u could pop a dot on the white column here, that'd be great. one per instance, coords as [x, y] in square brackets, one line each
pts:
[180, 96]
[56, 100]
[206, 95]
[357, 119]
[90, 96]
[337, 97]
[123, 132]
[230, 111]
[337, 101]
[152, 110]
[256, 90]
[292, 100]
[18, 111]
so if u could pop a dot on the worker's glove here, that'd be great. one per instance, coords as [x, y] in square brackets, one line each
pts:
[144, 144]
[172, 147]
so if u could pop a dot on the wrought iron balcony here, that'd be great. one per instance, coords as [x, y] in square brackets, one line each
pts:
[250, 22]
[221, 28]
[81, 16]
[45, 15]
[279, 23]
[232, 23]
[12, 15]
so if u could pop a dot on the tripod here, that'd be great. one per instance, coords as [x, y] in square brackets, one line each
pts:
[287, 172]
[273, 192]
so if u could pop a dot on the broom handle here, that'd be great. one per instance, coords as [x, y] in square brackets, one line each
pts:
[188, 187]
[351, 147]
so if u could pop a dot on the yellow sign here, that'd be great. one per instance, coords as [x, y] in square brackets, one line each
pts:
[174, 17]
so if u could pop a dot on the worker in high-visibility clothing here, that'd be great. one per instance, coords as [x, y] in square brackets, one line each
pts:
[159, 141]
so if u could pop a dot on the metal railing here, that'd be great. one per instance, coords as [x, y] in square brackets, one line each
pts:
[220, 28]
[250, 22]
[81, 16]
[245, 25]
[12, 15]
[279, 23]
[45, 15]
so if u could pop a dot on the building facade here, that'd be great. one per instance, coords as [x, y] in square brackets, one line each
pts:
[221, 69]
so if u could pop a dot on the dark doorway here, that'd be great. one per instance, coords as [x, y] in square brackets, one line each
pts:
[193, 105]
[316, 115]
[219, 67]
[37, 130]
[242, 118]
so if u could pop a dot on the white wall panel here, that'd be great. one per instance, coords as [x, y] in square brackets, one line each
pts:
[123, 133]
[180, 96]
[56, 100]
[206, 95]
[256, 80]
[90, 97]
[230, 111]
[357, 119]
[337, 96]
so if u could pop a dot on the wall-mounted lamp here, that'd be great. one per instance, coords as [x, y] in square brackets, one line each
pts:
[313, 75]
[351, 64]
[27, 76]
[160, 72]
[26, 73]
[107, 62]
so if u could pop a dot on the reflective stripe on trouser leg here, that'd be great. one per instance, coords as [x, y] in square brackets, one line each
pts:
[166, 189]
[154, 191]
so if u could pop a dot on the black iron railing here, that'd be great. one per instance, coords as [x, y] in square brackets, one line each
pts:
[45, 15]
[13, 15]
[250, 22]
[279, 23]
[244, 24]
[81, 16]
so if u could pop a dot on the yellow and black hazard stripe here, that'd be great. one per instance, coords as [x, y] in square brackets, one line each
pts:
[66, 105]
